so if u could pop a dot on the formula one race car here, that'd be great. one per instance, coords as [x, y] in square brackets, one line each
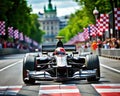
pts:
[60, 63]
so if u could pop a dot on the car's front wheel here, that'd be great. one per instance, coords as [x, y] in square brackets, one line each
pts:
[28, 65]
[91, 64]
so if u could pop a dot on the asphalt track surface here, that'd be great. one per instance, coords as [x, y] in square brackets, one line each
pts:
[11, 83]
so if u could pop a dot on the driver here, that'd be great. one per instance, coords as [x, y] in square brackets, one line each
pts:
[59, 51]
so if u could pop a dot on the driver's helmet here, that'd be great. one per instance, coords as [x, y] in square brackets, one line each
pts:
[60, 51]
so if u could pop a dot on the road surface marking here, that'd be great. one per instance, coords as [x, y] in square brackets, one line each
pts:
[63, 90]
[10, 90]
[107, 89]
[113, 69]
[59, 90]
[10, 65]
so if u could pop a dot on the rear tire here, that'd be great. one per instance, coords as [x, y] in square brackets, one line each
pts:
[93, 63]
[28, 65]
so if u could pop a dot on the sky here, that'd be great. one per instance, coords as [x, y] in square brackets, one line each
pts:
[64, 7]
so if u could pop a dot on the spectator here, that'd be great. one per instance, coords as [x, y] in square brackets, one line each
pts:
[0, 44]
[118, 41]
[94, 46]
[106, 43]
[113, 43]
[4, 44]
[99, 44]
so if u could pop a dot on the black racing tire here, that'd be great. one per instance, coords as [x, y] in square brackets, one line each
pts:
[28, 64]
[91, 64]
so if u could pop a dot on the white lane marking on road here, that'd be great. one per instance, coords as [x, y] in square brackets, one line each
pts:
[10, 65]
[113, 69]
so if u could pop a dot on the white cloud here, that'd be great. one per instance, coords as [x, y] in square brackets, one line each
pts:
[64, 7]
[66, 11]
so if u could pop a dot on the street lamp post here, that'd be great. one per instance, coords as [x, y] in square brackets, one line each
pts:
[96, 13]
[113, 20]
[89, 33]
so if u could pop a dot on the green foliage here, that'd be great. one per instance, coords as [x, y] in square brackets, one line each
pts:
[76, 23]
[4, 6]
[16, 13]
[36, 33]
[82, 18]
[103, 6]
[66, 32]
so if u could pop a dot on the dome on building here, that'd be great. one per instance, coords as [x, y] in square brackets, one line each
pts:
[49, 8]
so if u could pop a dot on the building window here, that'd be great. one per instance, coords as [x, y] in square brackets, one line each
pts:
[43, 27]
[45, 16]
[52, 40]
[52, 33]
[47, 27]
[51, 27]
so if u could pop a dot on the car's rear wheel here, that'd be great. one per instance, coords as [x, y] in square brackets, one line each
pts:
[28, 65]
[91, 64]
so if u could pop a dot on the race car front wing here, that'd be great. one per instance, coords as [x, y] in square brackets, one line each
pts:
[79, 75]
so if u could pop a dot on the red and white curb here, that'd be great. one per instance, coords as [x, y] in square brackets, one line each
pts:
[64, 90]
[107, 89]
[59, 90]
[9, 90]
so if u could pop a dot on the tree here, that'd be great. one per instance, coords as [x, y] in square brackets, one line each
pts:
[103, 6]
[35, 32]
[76, 23]
[83, 17]
[4, 6]
[17, 14]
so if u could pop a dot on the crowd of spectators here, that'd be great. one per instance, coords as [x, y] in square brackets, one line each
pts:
[16, 44]
[111, 43]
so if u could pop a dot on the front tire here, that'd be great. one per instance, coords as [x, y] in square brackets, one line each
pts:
[93, 63]
[28, 65]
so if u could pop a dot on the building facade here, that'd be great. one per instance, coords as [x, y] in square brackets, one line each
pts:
[63, 21]
[49, 22]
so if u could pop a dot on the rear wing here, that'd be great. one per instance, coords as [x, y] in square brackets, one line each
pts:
[51, 48]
